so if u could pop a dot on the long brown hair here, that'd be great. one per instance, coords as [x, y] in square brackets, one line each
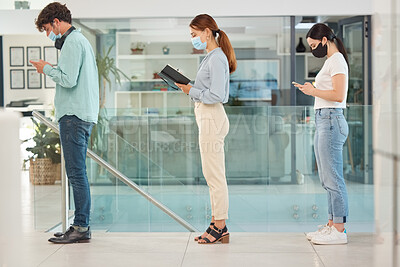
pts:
[204, 21]
[320, 30]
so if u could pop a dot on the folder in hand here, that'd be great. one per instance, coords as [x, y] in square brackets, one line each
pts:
[172, 76]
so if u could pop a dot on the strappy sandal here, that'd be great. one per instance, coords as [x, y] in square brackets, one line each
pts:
[220, 235]
[197, 238]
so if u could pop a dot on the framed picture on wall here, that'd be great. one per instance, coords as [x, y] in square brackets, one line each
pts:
[16, 56]
[34, 79]
[17, 79]
[255, 79]
[33, 53]
[50, 55]
[48, 82]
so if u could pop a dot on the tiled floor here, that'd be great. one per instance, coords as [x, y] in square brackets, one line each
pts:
[178, 249]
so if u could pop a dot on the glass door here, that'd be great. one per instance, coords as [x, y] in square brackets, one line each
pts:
[355, 34]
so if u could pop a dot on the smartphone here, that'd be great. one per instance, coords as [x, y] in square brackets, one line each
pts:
[295, 83]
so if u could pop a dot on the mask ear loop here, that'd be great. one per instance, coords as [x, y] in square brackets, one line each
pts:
[323, 40]
[52, 26]
[207, 37]
[59, 28]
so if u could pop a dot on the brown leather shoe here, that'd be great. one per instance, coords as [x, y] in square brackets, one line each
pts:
[72, 236]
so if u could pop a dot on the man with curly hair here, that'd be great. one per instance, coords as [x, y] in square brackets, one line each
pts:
[77, 107]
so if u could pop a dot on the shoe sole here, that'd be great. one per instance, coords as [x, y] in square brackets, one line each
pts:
[77, 241]
[309, 237]
[223, 240]
[330, 243]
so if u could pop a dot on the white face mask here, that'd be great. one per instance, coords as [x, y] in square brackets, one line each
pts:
[54, 37]
[198, 44]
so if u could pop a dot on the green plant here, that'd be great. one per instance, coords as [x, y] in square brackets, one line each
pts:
[106, 67]
[107, 72]
[139, 46]
[47, 143]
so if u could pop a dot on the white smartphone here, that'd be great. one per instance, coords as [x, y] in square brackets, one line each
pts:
[295, 83]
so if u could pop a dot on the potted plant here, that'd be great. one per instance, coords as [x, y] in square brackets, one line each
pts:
[106, 67]
[107, 72]
[165, 50]
[45, 162]
[137, 48]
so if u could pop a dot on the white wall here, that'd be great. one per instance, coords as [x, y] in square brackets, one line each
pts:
[386, 129]
[18, 22]
[10, 189]
[22, 21]
[35, 4]
[45, 96]
[178, 8]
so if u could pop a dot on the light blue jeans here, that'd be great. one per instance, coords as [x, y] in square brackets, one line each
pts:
[330, 135]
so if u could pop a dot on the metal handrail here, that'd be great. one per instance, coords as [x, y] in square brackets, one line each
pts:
[121, 177]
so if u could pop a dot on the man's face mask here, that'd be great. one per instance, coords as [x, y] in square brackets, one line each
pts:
[320, 51]
[52, 36]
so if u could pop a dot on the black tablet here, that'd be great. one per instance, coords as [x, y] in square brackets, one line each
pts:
[172, 76]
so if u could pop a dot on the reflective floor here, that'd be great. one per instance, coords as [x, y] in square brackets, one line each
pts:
[253, 208]
[178, 249]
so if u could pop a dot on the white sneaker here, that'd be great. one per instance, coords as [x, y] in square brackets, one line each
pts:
[330, 237]
[321, 229]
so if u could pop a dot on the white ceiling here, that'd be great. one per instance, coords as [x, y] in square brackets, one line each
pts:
[242, 25]
[180, 26]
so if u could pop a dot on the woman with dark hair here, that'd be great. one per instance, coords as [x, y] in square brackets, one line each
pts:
[209, 92]
[330, 92]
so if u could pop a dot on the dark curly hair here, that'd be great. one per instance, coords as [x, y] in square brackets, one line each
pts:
[53, 11]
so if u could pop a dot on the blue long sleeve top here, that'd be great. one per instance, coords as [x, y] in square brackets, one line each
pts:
[76, 78]
[212, 81]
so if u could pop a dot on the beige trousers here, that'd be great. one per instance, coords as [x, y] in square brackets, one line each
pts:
[213, 127]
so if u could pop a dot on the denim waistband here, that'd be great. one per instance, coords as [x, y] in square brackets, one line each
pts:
[329, 111]
[335, 109]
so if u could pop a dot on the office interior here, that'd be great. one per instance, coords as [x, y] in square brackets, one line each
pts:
[147, 131]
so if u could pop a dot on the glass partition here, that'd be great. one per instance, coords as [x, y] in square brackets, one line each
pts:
[141, 47]
[118, 208]
[148, 132]
[160, 153]
[265, 195]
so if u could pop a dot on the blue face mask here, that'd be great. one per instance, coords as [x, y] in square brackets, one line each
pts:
[198, 44]
[54, 37]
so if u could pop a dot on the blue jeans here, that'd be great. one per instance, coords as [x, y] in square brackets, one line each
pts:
[74, 135]
[330, 135]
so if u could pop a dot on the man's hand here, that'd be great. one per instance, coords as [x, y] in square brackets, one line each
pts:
[39, 65]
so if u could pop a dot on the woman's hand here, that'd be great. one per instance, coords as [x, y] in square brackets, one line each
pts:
[184, 87]
[306, 88]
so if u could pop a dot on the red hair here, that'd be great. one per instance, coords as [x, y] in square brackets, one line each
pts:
[204, 21]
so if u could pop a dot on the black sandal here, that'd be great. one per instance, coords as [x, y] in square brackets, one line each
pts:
[220, 235]
[207, 231]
